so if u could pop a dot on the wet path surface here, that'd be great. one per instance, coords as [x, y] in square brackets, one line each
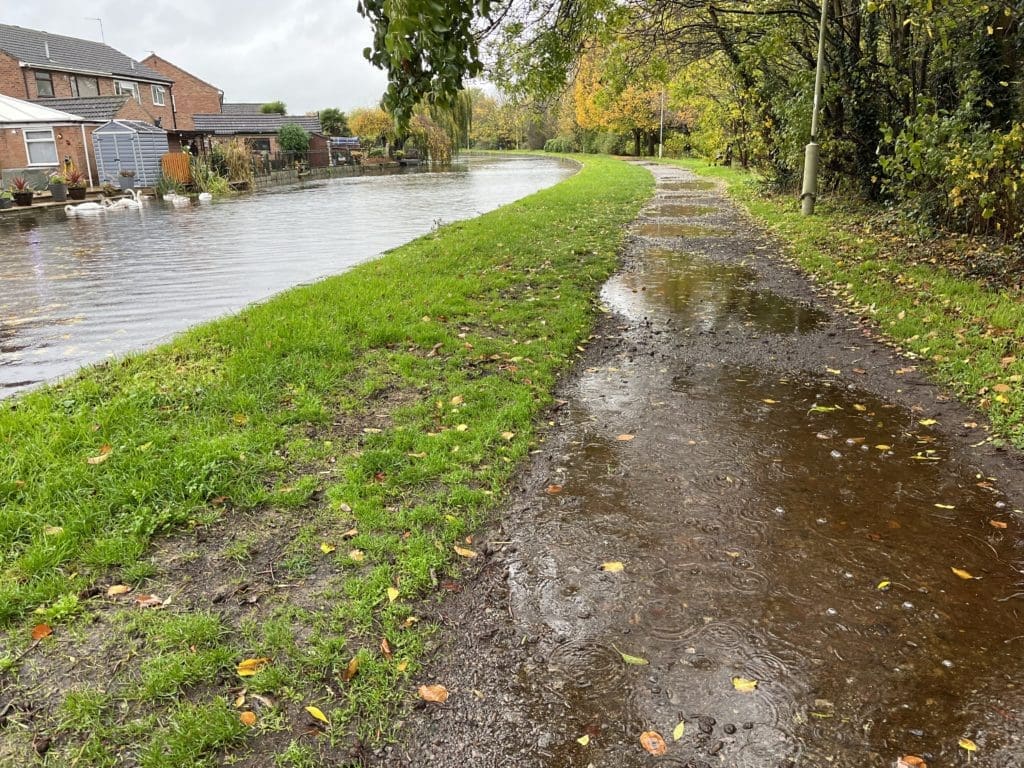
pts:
[788, 499]
[81, 290]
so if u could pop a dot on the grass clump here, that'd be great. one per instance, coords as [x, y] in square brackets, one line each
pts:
[340, 439]
[966, 330]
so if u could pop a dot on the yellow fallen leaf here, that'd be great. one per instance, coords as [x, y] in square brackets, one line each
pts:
[356, 555]
[1001, 399]
[53, 530]
[945, 506]
[962, 573]
[625, 438]
[463, 552]
[327, 548]
[884, 585]
[437, 694]
[744, 685]
[584, 739]
[249, 667]
[859, 407]
[392, 594]
[350, 671]
[927, 422]
[613, 566]
[967, 744]
[316, 714]
[402, 665]
[769, 401]
[883, 447]
[457, 400]
[240, 419]
[240, 700]
[103, 455]
[118, 589]
[508, 435]
[462, 427]
[653, 743]
[248, 718]
[678, 731]
[833, 371]
[637, 661]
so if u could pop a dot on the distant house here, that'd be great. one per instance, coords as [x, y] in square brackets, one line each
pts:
[258, 130]
[242, 108]
[38, 66]
[36, 139]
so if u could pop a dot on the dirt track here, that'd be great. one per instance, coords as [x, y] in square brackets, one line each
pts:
[788, 498]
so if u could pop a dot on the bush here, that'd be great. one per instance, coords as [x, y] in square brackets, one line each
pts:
[561, 144]
[678, 145]
[603, 143]
[293, 138]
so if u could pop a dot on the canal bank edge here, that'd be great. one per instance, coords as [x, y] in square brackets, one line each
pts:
[244, 520]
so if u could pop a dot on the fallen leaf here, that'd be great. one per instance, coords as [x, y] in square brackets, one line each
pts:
[357, 555]
[53, 530]
[327, 548]
[553, 489]
[508, 435]
[437, 694]
[103, 455]
[148, 601]
[613, 566]
[625, 438]
[118, 589]
[249, 667]
[392, 594]
[385, 648]
[351, 533]
[945, 506]
[884, 585]
[240, 419]
[962, 573]
[316, 714]
[997, 524]
[240, 700]
[927, 422]
[883, 447]
[351, 670]
[637, 661]
[1001, 388]
[967, 744]
[653, 743]
[39, 631]
[463, 552]
[248, 718]
[462, 427]
[584, 739]
[911, 761]
[833, 371]
[859, 407]
[402, 665]
[457, 400]
[769, 401]
[679, 730]
[744, 685]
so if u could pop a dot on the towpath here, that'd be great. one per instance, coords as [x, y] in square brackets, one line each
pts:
[809, 547]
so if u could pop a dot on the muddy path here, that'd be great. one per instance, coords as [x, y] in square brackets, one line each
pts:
[788, 498]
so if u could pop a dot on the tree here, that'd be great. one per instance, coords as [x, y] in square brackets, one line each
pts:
[334, 122]
[274, 108]
[371, 125]
[293, 138]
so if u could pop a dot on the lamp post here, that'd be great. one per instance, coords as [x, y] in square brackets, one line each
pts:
[661, 127]
[809, 192]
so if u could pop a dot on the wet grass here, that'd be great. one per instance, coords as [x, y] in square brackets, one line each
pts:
[966, 332]
[332, 445]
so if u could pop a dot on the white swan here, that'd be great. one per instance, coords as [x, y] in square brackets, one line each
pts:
[205, 197]
[86, 209]
[175, 199]
[125, 203]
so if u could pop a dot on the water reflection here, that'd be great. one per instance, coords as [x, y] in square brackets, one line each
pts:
[76, 291]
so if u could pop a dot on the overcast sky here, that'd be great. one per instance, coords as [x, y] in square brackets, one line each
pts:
[307, 53]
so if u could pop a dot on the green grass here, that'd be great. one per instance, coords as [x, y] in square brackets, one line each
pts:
[396, 399]
[966, 333]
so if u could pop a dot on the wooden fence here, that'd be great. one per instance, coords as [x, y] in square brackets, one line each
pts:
[175, 166]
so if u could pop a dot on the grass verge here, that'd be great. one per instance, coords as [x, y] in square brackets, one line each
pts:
[966, 331]
[286, 486]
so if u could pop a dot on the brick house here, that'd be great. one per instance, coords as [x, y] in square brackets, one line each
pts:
[35, 140]
[192, 95]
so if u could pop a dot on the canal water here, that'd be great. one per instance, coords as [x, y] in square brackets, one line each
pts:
[80, 290]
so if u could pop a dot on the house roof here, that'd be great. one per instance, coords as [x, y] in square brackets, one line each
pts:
[156, 57]
[135, 126]
[16, 111]
[96, 109]
[241, 108]
[235, 124]
[71, 54]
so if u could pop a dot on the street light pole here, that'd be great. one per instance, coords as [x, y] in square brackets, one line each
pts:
[661, 129]
[809, 192]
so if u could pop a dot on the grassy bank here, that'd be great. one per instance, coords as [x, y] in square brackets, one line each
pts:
[285, 485]
[965, 331]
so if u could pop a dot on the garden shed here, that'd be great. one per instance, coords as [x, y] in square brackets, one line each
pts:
[130, 145]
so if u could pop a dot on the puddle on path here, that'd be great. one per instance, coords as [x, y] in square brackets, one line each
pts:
[665, 207]
[671, 228]
[699, 185]
[705, 296]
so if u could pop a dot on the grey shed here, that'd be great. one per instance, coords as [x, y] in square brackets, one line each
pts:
[130, 145]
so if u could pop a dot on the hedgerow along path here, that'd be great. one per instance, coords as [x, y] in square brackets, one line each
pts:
[274, 493]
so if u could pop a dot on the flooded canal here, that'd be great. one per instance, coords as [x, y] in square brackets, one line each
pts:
[744, 537]
[77, 291]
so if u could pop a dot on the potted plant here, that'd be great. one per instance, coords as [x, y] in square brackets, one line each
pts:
[21, 191]
[58, 186]
[6, 199]
[127, 179]
[77, 185]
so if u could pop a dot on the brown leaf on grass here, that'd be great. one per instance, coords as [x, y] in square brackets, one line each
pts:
[997, 524]
[356, 555]
[248, 718]
[436, 694]
[911, 761]
[39, 631]
[653, 743]
[351, 670]
[385, 648]
[553, 489]
[457, 400]
[148, 601]
[1001, 388]
[351, 533]
[118, 589]
[249, 667]
[102, 456]
[463, 552]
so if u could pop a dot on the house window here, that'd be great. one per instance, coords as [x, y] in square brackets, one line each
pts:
[44, 85]
[158, 95]
[40, 147]
[84, 86]
[127, 87]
